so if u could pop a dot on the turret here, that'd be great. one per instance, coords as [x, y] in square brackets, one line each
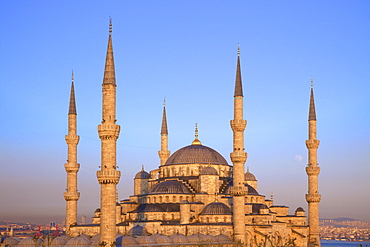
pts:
[108, 176]
[238, 158]
[141, 182]
[313, 197]
[72, 195]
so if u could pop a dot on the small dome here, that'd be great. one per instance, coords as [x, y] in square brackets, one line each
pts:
[170, 187]
[145, 241]
[138, 231]
[164, 240]
[58, 242]
[196, 154]
[216, 208]
[195, 239]
[78, 241]
[127, 241]
[208, 171]
[179, 239]
[10, 241]
[223, 239]
[299, 209]
[29, 242]
[249, 176]
[97, 210]
[142, 175]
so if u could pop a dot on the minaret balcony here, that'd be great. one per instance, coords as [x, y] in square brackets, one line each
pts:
[71, 167]
[108, 131]
[313, 197]
[72, 139]
[238, 190]
[71, 196]
[312, 144]
[163, 154]
[108, 176]
[238, 125]
[312, 170]
[238, 157]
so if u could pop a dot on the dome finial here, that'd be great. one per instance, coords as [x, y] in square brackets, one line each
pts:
[196, 140]
[238, 50]
[110, 25]
[73, 76]
[311, 81]
[142, 168]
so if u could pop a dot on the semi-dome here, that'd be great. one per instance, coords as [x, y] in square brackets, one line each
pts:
[142, 175]
[208, 171]
[216, 208]
[137, 231]
[170, 187]
[196, 154]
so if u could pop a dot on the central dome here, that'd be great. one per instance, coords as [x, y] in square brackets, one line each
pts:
[196, 154]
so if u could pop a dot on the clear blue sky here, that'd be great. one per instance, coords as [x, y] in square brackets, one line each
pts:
[185, 51]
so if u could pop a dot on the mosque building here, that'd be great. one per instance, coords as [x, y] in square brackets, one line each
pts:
[194, 196]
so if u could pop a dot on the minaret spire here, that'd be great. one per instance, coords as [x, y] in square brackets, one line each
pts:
[312, 112]
[313, 197]
[72, 195]
[108, 130]
[238, 79]
[164, 153]
[72, 101]
[238, 158]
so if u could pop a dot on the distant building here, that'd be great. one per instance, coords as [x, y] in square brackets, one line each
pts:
[194, 193]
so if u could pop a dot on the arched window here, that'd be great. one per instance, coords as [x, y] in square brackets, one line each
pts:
[180, 198]
[160, 199]
[167, 199]
[174, 199]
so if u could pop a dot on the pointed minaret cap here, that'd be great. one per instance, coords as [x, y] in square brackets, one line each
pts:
[196, 140]
[72, 101]
[109, 72]
[164, 129]
[238, 79]
[312, 113]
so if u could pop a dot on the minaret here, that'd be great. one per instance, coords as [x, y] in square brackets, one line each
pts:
[108, 176]
[164, 153]
[238, 158]
[313, 197]
[71, 195]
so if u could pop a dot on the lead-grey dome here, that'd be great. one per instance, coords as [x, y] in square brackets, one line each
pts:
[249, 176]
[216, 208]
[142, 175]
[208, 171]
[196, 154]
[170, 187]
